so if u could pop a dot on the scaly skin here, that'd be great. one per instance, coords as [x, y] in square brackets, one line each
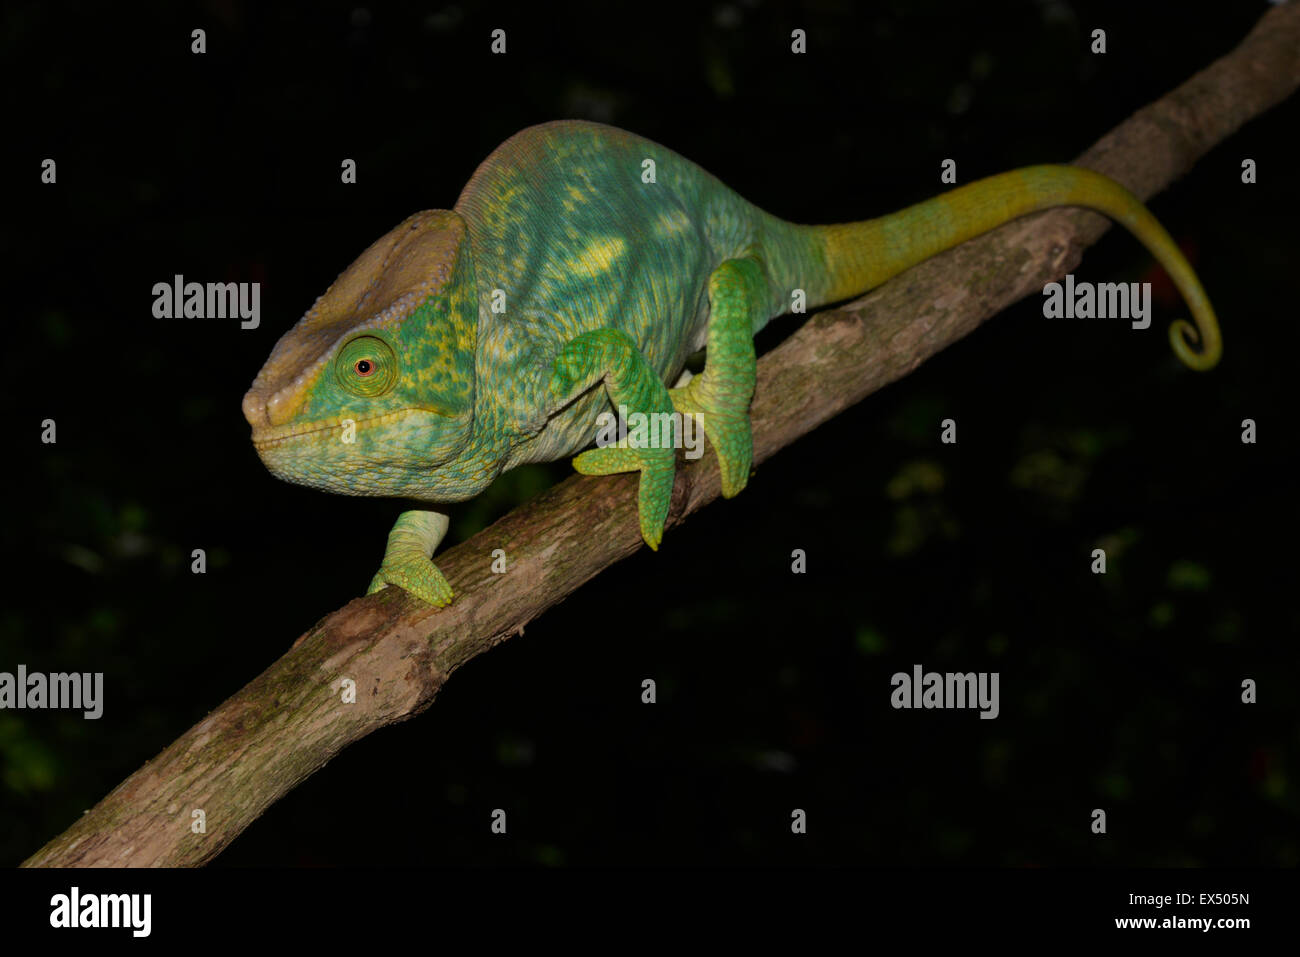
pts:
[562, 286]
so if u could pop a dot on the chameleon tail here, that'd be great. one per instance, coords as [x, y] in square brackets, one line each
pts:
[861, 256]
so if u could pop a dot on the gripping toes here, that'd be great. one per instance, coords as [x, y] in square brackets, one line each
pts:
[407, 563]
[720, 395]
[417, 575]
[611, 356]
[655, 490]
[728, 432]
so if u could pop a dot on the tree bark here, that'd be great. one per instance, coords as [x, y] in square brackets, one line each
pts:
[288, 722]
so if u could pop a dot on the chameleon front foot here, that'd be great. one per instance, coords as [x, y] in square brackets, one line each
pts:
[419, 576]
[407, 563]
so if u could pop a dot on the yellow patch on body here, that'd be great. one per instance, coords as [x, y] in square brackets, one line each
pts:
[598, 256]
[576, 197]
[672, 223]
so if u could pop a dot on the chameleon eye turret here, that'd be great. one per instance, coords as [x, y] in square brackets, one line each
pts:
[367, 366]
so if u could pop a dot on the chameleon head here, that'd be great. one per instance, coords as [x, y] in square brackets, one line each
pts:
[373, 389]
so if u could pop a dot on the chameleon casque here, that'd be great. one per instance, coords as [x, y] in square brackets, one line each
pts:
[603, 284]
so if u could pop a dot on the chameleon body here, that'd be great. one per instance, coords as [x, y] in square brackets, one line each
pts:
[568, 282]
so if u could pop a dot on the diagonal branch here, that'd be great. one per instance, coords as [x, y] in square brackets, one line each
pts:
[290, 721]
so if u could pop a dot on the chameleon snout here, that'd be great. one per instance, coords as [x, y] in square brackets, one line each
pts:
[255, 410]
[268, 411]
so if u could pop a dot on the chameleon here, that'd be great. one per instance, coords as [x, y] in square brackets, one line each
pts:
[578, 270]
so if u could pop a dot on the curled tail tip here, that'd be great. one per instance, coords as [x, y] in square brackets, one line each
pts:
[1198, 348]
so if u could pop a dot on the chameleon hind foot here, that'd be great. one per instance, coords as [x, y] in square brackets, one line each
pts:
[728, 432]
[719, 397]
[611, 356]
[407, 562]
[655, 490]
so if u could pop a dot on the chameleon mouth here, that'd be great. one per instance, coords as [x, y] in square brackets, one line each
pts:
[281, 435]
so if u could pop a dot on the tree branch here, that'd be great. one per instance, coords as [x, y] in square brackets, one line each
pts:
[290, 721]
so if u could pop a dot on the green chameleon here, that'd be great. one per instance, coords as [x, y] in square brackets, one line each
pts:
[580, 268]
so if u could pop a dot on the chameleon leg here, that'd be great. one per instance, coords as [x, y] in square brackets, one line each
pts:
[611, 356]
[720, 395]
[407, 559]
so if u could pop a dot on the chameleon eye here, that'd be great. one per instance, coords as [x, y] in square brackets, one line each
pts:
[367, 366]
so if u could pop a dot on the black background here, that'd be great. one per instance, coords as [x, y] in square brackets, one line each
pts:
[1120, 692]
